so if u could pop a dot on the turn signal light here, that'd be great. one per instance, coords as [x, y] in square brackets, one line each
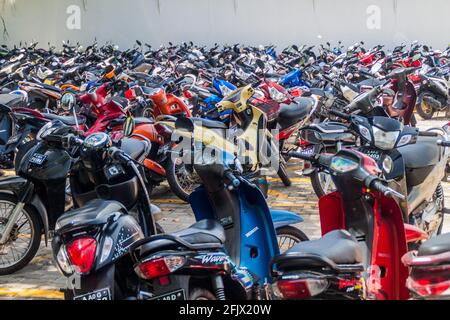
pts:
[299, 288]
[160, 267]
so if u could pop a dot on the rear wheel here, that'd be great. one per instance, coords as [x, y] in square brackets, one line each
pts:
[201, 294]
[288, 236]
[424, 109]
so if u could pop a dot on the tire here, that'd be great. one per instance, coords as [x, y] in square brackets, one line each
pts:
[316, 178]
[413, 121]
[291, 233]
[201, 294]
[174, 184]
[425, 114]
[282, 173]
[36, 225]
[23, 149]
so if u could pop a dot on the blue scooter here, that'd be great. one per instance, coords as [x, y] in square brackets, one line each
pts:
[225, 255]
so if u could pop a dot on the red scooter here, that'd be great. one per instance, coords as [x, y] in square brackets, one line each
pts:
[364, 238]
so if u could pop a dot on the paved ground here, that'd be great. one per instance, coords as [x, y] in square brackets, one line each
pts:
[41, 280]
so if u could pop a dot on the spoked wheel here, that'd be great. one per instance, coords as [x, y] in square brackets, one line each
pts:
[181, 178]
[289, 236]
[322, 183]
[23, 240]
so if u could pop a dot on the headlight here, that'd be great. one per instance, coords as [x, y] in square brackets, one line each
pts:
[404, 140]
[277, 95]
[365, 133]
[342, 165]
[45, 130]
[384, 139]
[388, 164]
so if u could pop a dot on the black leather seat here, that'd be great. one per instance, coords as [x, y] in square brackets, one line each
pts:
[95, 212]
[136, 149]
[291, 113]
[425, 152]
[337, 247]
[50, 87]
[436, 245]
[207, 123]
[205, 233]
[120, 101]
[142, 120]
[68, 120]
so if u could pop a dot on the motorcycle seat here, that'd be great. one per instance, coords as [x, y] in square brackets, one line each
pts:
[436, 245]
[68, 120]
[135, 148]
[291, 113]
[10, 100]
[204, 234]
[95, 212]
[142, 120]
[50, 87]
[425, 152]
[120, 101]
[212, 124]
[337, 249]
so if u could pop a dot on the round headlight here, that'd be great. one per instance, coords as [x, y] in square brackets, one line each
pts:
[67, 101]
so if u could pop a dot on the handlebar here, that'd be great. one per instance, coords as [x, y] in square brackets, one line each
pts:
[118, 155]
[303, 156]
[340, 114]
[443, 143]
[235, 182]
[428, 134]
[377, 185]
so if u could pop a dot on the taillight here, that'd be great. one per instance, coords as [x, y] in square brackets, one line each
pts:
[81, 253]
[430, 281]
[299, 288]
[160, 267]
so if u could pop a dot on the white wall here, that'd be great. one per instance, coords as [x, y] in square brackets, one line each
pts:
[280, 22]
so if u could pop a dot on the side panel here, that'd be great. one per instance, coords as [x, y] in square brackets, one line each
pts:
[331, 212]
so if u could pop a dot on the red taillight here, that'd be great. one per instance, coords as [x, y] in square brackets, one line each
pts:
[430, 281]
[81, 253]
[160, 267]
[299, 288]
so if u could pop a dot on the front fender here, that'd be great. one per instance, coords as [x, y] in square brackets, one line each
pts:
[12, 184]
[282, 218]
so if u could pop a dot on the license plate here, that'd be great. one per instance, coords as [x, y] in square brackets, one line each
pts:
[38, 158]
[309, 150]
[375, 155]
[102, 294]
[13, 139]
[174, 295]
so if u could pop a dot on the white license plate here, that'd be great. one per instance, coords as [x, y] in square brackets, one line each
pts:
[309, 150]
[174, 295]
[102, 294]
[38, 158]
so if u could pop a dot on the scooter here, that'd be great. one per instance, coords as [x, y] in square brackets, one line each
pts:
[363, 238]
[226, 253]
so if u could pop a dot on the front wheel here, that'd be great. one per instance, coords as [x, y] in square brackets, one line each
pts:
[182, 180]
[289, 236]
[322, 183]
[24, 239]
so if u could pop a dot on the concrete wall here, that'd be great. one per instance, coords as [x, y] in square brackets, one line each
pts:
[280, 22]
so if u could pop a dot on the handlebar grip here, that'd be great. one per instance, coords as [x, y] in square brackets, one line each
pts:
[428, 134]
[340, 114]
[303, 156]
[443, 143]
[387, 191]
[118, 155]
[234, 181]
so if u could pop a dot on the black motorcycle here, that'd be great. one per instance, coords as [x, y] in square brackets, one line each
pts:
[91, 242]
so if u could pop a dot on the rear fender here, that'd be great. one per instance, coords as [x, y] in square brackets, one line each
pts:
[282, 218]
